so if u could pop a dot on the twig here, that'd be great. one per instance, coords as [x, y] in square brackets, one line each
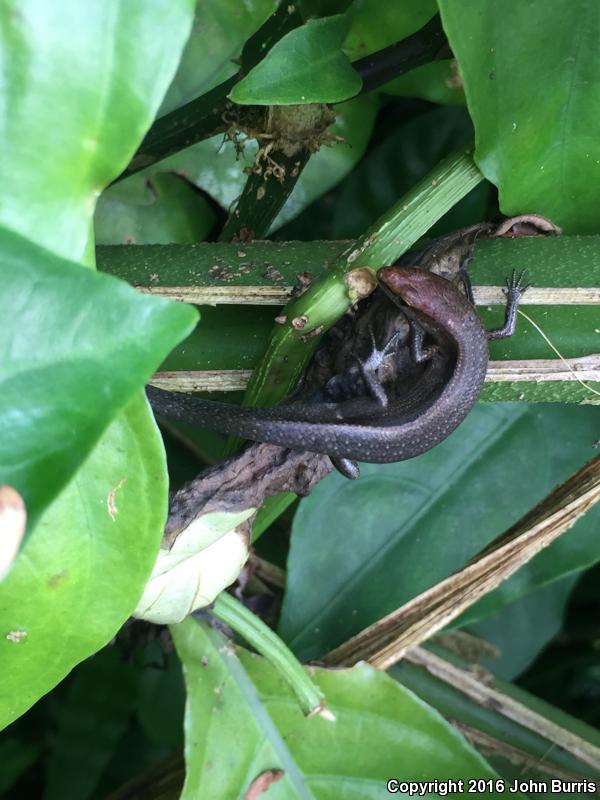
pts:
[488, 697]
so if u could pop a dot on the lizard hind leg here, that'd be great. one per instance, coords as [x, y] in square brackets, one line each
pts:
[346, 467]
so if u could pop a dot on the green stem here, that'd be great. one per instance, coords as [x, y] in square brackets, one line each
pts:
[263, 198]
[327, 299]
[183, 127]
[267, 643]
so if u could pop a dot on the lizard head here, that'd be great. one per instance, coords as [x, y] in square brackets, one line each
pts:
[434, 296]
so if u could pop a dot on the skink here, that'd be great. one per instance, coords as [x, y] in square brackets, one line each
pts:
[405, 427]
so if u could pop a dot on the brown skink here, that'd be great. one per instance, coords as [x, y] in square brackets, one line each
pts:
[404, 428]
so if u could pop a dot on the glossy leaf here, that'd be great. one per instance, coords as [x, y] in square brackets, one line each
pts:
[542, 155]
[79, 578]
[158, 210]
[375, 25]
[364, 549]
[218, 35]
[75, 347]
[306, 66]
[375, 729]
[81, 83]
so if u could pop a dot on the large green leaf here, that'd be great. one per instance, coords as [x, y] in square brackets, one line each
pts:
[361, 550]
[220, 29]
[544, 156]
[533, 749]
[75, 346]
[80, 84]
[438, 82]
[306, 66]
[376, 730]
[80, 576]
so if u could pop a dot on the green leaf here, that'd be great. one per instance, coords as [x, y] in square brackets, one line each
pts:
[161, 701]
[78, 579]
[521, 629]
[438, 82]
[379, 730]
[81, 83]
[542, 155]
[454, 704]
[158, 210]
[364, 549]
[16, 757]
[76, 345]
[218, 35]
[91, 718]
[375, 25]
[306, 66]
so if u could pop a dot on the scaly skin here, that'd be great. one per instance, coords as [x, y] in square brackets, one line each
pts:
[403, 429]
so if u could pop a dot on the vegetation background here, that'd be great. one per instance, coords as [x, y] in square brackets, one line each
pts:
[169, 122]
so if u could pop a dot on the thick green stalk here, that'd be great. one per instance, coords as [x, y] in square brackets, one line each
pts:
[267, 643]
[229, 342]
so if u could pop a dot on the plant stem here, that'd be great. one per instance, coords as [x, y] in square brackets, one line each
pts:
[327, 299]
[267, 643]
[203, 117]
[191, 123]
[282, 21]
[262, 199]
[427, 44]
